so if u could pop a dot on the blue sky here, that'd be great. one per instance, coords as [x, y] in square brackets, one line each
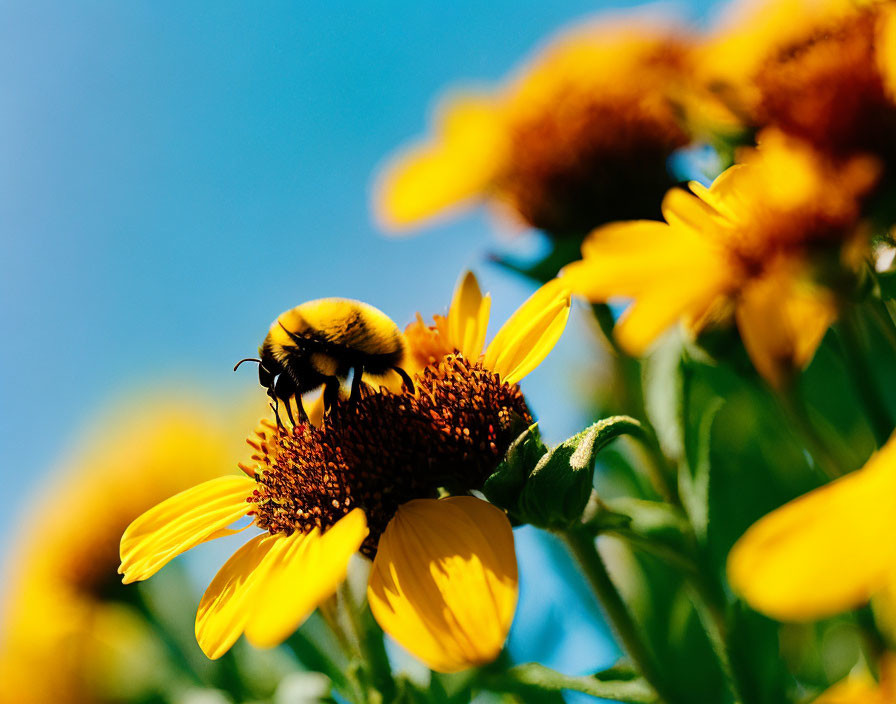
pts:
[174, 174]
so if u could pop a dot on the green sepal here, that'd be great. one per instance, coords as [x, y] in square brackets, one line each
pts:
[505, 484]
[558, 488]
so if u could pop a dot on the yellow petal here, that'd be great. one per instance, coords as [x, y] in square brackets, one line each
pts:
[725, 195]
[444, 581]
[673, 271]
[860, 687]
[782, 321]
[628, 258]
[454, 167]
[825, 552]
[305, 573]
[688, 292]
[683, 210]
[530, 334]
[182, 522]
[468, 317]
[229, 599]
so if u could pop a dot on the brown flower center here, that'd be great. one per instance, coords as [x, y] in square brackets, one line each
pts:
[828, 88]
[382, 449]
[590, 154]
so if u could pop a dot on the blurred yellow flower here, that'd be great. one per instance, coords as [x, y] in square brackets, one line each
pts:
[828, 551]
[748, 244]
[862, 688]
[821, 70]
[61, 635]
[444, 577]
[578, 137]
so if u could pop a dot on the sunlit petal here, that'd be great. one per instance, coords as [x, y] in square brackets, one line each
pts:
[530, 334]
[455, 166]
[182, 522]
[309, 570]
[444, 582]
[227, 603]
[468, 317]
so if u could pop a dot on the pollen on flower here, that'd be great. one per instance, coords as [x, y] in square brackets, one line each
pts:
[477, 414]
[384, 449]
[427, 343]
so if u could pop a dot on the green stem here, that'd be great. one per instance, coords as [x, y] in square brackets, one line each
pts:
[883, 316]
[630, 401]
[370, 641]
[581, 545]
[314, 658]
[329, 613]
[879, 417]
[658, 468]
[793, 407]
[178, 655]
[534, 677]
[711, 614]
[707, 602]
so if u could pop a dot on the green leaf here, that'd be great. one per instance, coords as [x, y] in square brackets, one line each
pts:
[755, 653]
[653, 521]
[533, 677]
[694, 476]
[886, 280]
[558, 489]
[504, 485]
[662, 389]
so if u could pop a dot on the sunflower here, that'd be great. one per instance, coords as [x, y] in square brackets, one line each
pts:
[760, 245]
[821, 70]
[368, 478]
[63, 632]
[578, 137]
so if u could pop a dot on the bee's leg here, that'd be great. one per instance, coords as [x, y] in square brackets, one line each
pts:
[275, 407]
[288, 405]
[284, 388]
[357, 375]
[405, 378]
[300, 410]
[331, 392]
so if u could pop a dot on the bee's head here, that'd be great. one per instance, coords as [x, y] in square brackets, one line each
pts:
[268, 367]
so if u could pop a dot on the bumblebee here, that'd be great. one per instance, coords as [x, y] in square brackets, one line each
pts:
[319, 343]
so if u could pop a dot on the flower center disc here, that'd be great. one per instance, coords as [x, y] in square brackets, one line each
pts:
[383, 449]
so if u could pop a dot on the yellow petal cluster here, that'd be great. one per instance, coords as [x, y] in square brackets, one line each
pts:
[747, 243]
[519, 346]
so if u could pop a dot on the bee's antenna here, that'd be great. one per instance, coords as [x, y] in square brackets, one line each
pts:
[247, 359]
